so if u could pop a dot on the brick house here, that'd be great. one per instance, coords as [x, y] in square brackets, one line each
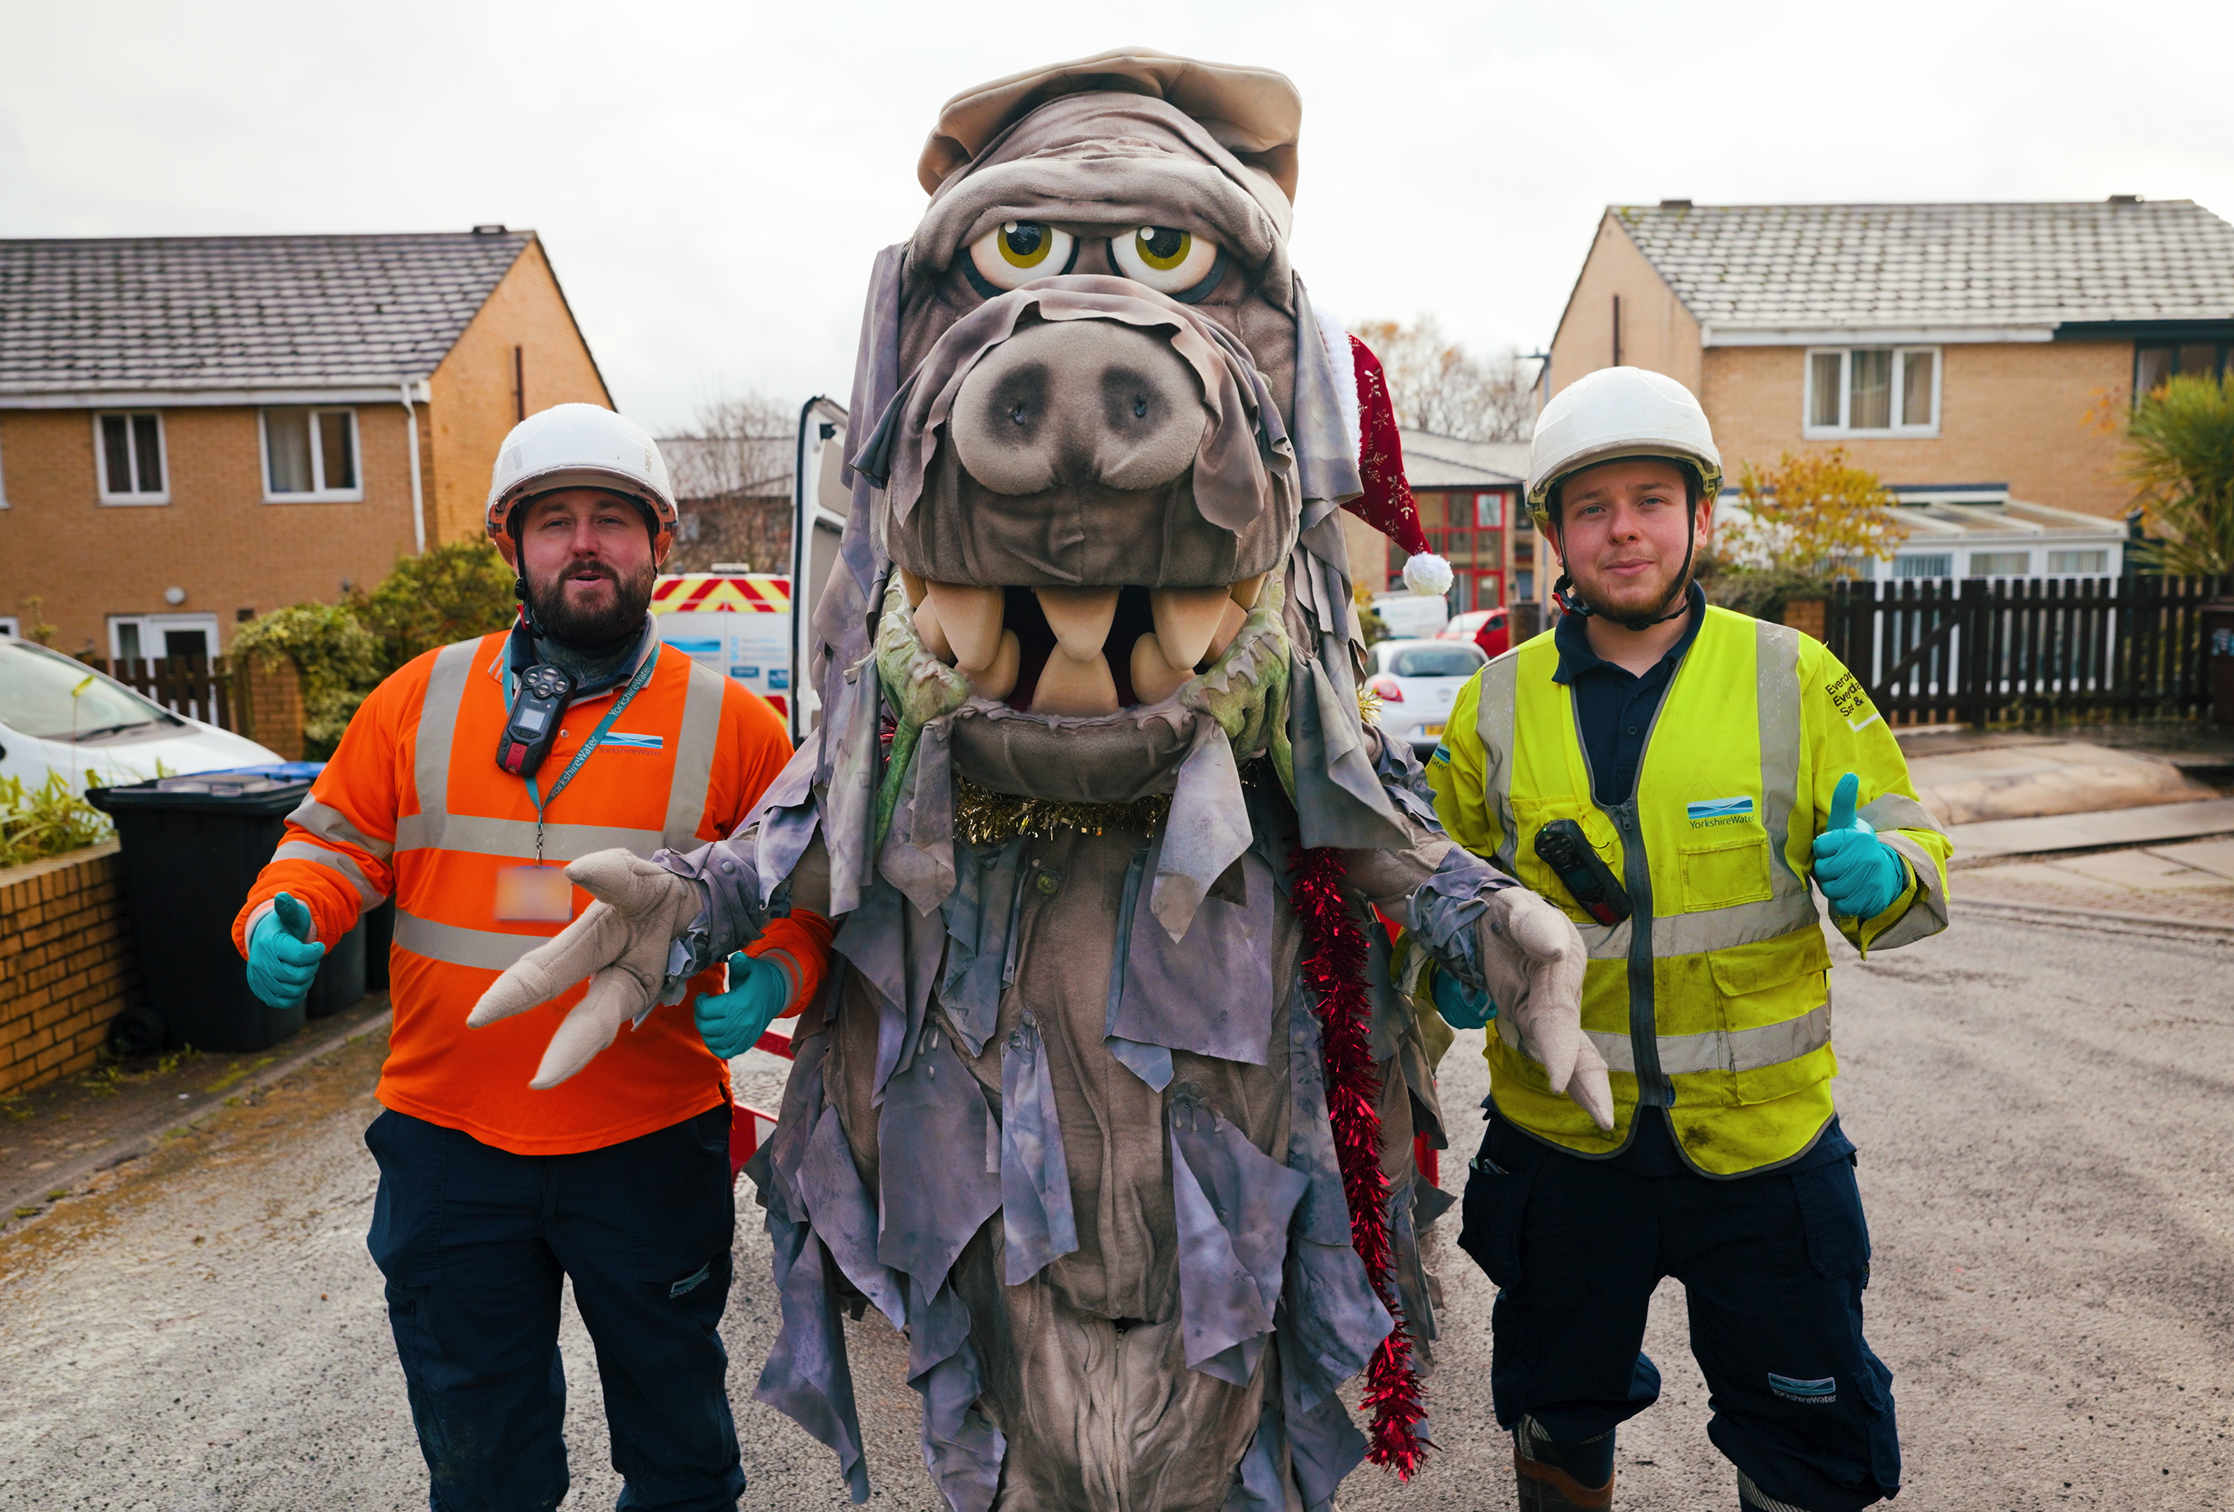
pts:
[1968, 354]
[1469, 497]
[194, 430]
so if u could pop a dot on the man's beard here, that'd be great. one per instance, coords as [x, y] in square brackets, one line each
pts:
[1636, 602]
[588, 630]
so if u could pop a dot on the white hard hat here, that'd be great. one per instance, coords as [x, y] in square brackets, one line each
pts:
[579, 446]
[1619, 412]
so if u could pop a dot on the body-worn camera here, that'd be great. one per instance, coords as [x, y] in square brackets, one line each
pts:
[533, 722]
[1562, 846]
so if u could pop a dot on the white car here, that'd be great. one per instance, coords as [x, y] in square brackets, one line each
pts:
[1416, 680]
[59, 715]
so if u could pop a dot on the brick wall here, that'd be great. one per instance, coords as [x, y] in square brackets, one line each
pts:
[217, 539]
[66, 963]
[2022, 413]
[274, 705]
[474, 403]
[1657, 332]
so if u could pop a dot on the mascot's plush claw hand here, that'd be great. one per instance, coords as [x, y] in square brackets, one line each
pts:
[620, 943]
[1533, 959]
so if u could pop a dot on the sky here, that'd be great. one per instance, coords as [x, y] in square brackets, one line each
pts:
[712, 181]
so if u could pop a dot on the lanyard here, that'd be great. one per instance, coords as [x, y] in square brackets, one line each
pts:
[635, 686]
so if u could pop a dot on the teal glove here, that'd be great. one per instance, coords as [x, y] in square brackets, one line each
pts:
[732, 1022]
[282, 957]
[1860, 875]
[1460, 1006]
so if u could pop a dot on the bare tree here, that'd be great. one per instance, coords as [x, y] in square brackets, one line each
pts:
[1437, 385]
[737, 446]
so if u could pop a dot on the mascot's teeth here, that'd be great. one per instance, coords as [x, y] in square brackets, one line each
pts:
[1079, 689]
[1186, 619]
[912, 586]
[1080, 618]
[999, 680]
[1154, 678]
[1230, 622]
[971, 618]
[928, 631]
[1245, 592]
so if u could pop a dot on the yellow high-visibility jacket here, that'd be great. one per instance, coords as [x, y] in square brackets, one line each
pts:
[1713, 998]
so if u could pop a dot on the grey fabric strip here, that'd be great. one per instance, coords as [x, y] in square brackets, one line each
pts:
[479, 835]
[1207, 831]
[845, 1216]
[977, 915]
[333, 861]
[695, 745]
[1325, 459]
[484, 949]
[1036, 1216]
[1209, 993]
[1151, 1063]
[1232, 1202]
[936, 1190]
[438, 724]
[332, 824]
[918, 853]
[961, 1447]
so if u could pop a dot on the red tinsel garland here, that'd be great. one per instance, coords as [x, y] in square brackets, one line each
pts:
[1334, 967]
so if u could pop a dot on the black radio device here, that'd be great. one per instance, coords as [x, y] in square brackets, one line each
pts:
[1562, 846]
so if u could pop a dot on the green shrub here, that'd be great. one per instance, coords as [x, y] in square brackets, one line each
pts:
[339, 660]
[2180, 451]
[450, 593]
[47, 820]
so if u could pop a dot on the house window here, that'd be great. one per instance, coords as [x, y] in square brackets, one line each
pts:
[2079, 563]
[1466, 530]
[9, 629]
[2157, 363]
[2000, 563]
[128, 453]
[310, 454]
[1861, 391]
[1939, 565]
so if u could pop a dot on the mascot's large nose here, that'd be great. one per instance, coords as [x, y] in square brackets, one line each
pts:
[1078, 401]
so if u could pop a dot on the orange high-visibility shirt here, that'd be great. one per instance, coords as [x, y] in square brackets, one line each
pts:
[414, 804]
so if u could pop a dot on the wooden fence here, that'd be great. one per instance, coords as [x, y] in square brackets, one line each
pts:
[2004, 651]
[198, 687]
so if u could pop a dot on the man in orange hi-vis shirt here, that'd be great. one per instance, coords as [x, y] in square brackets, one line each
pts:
[462, 787]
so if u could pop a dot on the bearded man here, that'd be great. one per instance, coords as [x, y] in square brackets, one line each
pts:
[463, 786]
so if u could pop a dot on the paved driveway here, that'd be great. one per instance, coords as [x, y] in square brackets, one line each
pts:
[2045, 1116]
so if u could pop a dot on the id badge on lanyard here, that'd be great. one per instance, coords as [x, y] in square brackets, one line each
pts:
[541, 893]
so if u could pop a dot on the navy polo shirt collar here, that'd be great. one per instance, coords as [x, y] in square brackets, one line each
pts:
[1572, 638]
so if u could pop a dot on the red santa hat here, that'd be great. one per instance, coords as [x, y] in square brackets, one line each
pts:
[1387, 504]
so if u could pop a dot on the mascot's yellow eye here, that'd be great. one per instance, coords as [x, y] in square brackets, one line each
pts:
[1168, 260]
[1010, 256]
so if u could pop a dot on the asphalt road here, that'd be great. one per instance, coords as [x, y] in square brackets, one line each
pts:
[2044, 1115]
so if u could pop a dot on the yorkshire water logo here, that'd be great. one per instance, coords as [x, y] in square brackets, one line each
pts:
[1708, 812]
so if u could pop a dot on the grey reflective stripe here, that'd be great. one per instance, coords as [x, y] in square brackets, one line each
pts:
[694, 756]
[455, 946]
[1739, 924]
[1731, 1050]
[331, 824]
[438, 728]
[332, 860]
[475, 835]
[1493, 721]
[1776, 702]
[1891, 811]
[1927, 911]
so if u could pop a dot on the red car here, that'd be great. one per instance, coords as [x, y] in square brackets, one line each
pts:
[1486, 628]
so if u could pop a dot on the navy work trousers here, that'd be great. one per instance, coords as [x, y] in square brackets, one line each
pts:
[474, 1242]
[1772, 1265]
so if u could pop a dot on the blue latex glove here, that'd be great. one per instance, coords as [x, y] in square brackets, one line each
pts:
[732, 1022]
[282, 957]
[1460, 1006]
[1860, 874]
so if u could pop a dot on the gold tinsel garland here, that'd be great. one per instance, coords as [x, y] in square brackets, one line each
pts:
[986, 819]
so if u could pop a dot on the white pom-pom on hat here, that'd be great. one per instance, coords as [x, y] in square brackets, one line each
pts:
[1427, 574]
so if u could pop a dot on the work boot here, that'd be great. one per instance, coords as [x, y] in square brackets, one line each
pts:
[1752, 1498]
[1562, 1477]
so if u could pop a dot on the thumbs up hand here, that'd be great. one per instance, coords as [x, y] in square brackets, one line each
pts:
[1860, 875]
[282, 955]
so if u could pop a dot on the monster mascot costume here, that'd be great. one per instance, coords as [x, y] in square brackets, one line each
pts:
[1110, 1103]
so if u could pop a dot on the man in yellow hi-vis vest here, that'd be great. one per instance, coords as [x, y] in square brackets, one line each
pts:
[1673, 775]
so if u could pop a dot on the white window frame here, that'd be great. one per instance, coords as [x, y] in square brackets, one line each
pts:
[150, 623]
[319, 493]
[9, 629]
[2105, 570]
[1809, 430]
[1947, 556]
[1970, 563]
[101, 458]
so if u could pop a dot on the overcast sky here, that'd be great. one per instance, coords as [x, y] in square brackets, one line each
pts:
[712, 180]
